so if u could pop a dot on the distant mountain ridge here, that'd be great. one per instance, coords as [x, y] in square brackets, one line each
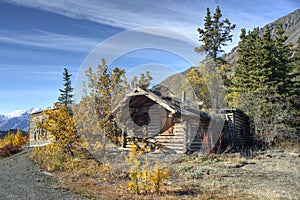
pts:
[17, 120]
[290, 25]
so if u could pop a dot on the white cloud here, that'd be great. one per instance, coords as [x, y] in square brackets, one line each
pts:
[128, 14]
[48, 40]
[181, 16]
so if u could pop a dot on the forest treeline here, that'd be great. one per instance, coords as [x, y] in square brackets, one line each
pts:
[264, 83]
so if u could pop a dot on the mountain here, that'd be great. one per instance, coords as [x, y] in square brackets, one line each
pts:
[172, 85]
[17, 120]
[290, 25]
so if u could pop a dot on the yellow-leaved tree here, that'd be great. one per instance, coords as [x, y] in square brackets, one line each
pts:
[9, 138]
[95, 120]
[60, 125]
[18, 138]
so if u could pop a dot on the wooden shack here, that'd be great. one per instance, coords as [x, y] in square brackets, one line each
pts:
[236, 129]
[147, 117]
[159, 121]
[37, 136]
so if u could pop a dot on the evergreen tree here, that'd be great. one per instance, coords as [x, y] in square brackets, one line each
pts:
[296, 97]
[262, 83]
[66, 96]
[215, 34]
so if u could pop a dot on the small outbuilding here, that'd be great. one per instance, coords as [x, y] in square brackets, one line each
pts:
[37, 136]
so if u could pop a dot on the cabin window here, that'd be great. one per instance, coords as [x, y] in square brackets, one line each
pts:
[242, 132]
[34, 135]
[167, 126]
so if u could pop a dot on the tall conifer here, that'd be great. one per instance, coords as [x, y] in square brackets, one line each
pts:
[215, 34]
[66, 96]
[262, 83]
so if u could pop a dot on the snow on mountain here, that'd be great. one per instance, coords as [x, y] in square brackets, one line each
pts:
[18, 119]
[34, 110]
[2, 117]
[16, 113]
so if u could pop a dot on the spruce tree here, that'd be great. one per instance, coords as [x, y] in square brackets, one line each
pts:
[262, 83]
[215, 34]
[66, 96]
[295, 98]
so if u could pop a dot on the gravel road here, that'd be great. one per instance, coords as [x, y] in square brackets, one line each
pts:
[21, 179]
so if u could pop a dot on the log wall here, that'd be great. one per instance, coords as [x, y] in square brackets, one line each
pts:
[197, 129]
[237, 129]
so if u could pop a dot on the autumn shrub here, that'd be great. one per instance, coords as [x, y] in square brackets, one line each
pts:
[11, 144]
[135, 174]
[53, 157]
[143, 177]
[9, 150]
[158, 176]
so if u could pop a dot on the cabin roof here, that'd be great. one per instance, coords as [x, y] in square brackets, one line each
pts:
[35, 113]
[170, 104]
[235, 110]
[154, 97]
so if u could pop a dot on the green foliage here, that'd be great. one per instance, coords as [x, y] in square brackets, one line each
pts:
[215, 34]
[263, 83]
[295, 99]
[66, 96]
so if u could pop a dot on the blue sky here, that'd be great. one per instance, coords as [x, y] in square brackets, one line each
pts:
[39, 38]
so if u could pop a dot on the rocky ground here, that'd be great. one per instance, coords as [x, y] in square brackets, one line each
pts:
[273, 174]
[21, 179]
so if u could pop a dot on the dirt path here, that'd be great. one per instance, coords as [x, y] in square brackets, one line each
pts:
[21, 179]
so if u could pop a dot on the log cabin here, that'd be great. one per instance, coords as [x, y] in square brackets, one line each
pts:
[147, 118]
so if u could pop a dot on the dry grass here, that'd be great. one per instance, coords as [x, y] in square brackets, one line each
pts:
[268, 175]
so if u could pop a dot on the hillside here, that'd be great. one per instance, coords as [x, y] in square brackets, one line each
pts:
[172, 85]
[16, 120]
[290, 24]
